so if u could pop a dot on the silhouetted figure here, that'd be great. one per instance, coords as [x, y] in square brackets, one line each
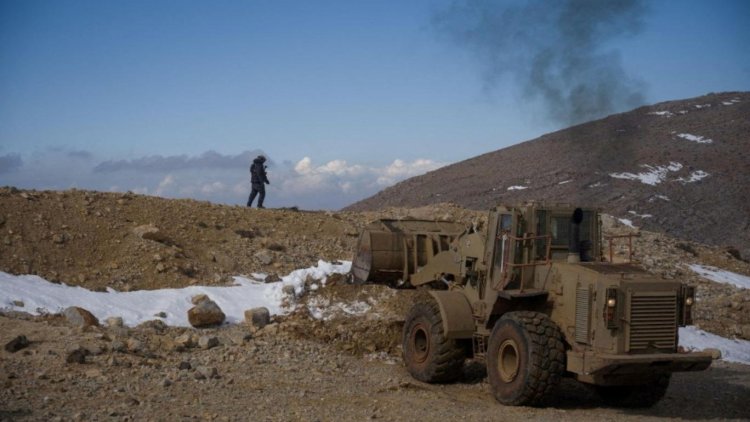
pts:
[258, 180]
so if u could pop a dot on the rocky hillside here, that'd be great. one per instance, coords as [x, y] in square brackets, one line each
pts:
[678, 167]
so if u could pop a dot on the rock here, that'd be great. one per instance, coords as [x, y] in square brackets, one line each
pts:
[151, 232]
[184, 366]
[94, 349]
[135, 345]
[160, 268]
[745, 331]
[272, 278]
[264, 256]
[270, 329]
[257, 317]
[114, 322]
[208, 342]
[195, 300]
[206, 314]
[240, 338]
[161, 314]
[209, 372]
[153, 325]
[118, 346]
[18, 343]
[77, 356]
[80, 317]
[185, 340]
[18, 303]
[93, 373]
[289, 290]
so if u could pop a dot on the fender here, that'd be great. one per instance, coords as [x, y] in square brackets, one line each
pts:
[455, 311]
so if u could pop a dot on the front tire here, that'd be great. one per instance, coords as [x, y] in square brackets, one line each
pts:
[428, 355]
[525, 358]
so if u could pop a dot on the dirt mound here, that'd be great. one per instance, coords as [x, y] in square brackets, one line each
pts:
[133, 242]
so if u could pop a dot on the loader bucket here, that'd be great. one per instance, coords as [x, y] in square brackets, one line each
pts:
[389, 251]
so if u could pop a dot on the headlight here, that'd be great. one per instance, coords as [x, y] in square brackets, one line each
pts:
[687, 294]
[611, 316]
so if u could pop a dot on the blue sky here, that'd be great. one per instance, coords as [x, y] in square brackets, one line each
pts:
[345, 97]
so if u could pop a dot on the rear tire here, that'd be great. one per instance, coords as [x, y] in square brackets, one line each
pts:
[635, 396]
[428, 355]
[525, 358]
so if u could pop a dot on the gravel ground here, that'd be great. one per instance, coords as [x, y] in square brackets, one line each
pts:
[276, 376]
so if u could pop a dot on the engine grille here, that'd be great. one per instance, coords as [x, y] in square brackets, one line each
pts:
[582, 315]
[653, 321]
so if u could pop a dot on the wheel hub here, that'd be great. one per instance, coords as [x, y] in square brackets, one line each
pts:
[420, 341]
[508, 361]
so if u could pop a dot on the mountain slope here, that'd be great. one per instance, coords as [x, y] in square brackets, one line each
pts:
[681, 167]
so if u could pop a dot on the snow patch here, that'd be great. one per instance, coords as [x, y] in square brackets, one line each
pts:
[662, 113]
[565, 181]
[695, 138]
[694, 177]
[322, 308]
[654, 175]
[40, 296]
[655, 197]
[596, 185]
[627, 222]
[518, 187]
[721, 276]
[699, 106]
[732, 350]
[640, 215]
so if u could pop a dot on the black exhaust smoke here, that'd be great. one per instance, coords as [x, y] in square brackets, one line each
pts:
[555, 50]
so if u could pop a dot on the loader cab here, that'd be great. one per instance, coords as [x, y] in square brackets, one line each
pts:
[572, 231]
[521, 238]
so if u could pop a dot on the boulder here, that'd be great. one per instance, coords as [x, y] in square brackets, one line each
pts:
[134, 345]
[114, 322]
[207, 342]
[203, 372]
[206, 314]
[77, 355]
[257, 317]
[80, 317]
[184, 341]
[264, 256]
[16, 344]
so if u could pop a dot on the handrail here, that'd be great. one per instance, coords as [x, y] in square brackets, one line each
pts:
[508, 265]
[630, 237]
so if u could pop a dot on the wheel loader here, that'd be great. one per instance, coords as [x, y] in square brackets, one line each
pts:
[534, 296]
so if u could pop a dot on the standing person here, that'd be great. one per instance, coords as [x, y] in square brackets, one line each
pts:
[258, 179]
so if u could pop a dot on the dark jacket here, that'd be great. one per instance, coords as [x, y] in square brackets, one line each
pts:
[258, 172]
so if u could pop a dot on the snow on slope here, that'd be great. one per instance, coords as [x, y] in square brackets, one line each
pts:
[40, 296]
[721, 276]
[654, 175]
[695, 138]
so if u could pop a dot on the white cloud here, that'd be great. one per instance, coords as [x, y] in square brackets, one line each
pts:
[164, 185]
[215, 177]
